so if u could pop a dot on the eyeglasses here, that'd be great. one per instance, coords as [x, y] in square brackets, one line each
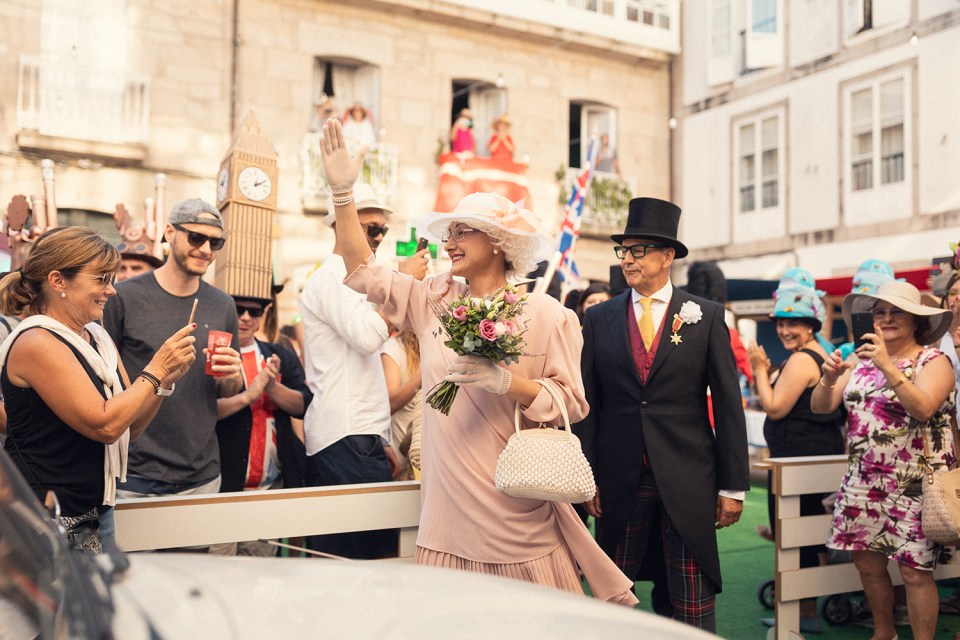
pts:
[103, 279]
[373, 230]
[893, 312]
[636, 250]
[197, 239]
[255, 312]
[457, 234]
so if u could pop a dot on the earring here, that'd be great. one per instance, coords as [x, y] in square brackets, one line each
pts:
[63, 294]
[496, 251]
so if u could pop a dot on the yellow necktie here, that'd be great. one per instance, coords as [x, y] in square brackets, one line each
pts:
[647, 331]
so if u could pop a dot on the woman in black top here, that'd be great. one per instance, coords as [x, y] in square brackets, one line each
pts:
[791, 428]
[71, 407]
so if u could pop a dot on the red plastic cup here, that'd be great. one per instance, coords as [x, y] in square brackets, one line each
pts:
[216, 339]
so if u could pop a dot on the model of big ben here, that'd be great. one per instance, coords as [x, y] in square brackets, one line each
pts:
[247, 198]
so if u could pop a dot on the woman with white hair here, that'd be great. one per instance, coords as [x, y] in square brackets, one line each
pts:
[466, 523]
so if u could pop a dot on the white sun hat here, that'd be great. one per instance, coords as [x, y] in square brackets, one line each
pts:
[364, 197]
[902, 295]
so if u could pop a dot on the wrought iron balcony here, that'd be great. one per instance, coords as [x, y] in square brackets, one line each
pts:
[608, 199]
[66, 101]
[379, 171]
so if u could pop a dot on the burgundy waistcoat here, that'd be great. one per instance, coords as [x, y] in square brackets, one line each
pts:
[642, 358]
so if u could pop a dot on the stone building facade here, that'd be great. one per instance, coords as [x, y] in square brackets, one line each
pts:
[116, 91]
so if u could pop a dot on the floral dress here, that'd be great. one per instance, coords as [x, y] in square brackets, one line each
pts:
[880, 499]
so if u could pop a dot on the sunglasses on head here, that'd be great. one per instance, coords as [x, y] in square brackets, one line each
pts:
[373, 230]
[197, 239]
[255, 312]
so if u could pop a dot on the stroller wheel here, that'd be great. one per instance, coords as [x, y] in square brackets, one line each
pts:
[767, 594]
[836, 609]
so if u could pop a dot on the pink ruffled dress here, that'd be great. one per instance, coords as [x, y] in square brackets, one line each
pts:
[465, 522]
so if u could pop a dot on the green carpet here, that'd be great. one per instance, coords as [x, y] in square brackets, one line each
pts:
[747, 562]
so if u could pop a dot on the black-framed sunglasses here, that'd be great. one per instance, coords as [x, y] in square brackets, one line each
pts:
[197, 239]
[103, 279]
[255, 312]
[373, 230]
[636, 250]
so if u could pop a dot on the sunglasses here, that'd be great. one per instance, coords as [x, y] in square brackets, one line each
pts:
[103, 279]
[637, 250]
[197, 239]
[374, 230]
[255, 312]
[893, 312]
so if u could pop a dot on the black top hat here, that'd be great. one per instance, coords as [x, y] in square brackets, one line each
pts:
[656, 220]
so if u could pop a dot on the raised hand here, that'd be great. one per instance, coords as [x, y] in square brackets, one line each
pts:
[416, 265]
[758, 358]
[175, 356]
[833, 367]
[339, 167]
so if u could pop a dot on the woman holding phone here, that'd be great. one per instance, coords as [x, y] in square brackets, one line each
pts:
[72, 409]
[899, 396]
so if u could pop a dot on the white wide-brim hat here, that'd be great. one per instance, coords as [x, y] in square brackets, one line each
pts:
[491, 210]
[902, 295]
[364, 197]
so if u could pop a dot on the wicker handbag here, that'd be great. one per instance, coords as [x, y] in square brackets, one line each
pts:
[940, 514]
[545, 463]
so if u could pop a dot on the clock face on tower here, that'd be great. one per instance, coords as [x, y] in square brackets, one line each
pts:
[254, 184]
[223, 181]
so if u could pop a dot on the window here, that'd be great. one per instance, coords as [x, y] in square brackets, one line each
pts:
[649, 12]
[758, 163]
[877, 112]
[597, 6]
[487, 101]
[864, 16]
[588, 119]
[720, 61]
[339, 83]
[763, 37]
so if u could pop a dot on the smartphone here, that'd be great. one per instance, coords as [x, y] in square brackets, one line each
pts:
[862, 323]
[422, 244]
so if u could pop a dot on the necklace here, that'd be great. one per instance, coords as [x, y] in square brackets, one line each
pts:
[488, 296]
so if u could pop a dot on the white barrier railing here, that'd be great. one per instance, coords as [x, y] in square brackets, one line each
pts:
[199, 520]
[793, 477]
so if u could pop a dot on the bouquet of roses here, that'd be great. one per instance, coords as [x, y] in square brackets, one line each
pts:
[488, 327]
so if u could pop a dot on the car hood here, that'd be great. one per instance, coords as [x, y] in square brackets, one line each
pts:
[192, 595]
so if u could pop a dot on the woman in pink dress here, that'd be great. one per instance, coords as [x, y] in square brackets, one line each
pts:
[465, 522]
[461, 134]
[900, 396]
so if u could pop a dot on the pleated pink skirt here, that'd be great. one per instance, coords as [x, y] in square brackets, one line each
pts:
[556, 569]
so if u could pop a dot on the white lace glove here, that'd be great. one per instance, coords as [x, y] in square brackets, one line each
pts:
[482, 373]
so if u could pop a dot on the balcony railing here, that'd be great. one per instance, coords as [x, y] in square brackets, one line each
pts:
[67, 101]
[608, 200]
[379, 171]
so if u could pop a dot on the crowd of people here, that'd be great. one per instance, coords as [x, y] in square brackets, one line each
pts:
[161, 384]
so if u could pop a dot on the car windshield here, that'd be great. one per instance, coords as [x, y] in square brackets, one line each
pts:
[46, 589]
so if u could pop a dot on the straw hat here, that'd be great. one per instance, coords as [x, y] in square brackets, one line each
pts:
[902, 295]
[364, 197]
[493, 210]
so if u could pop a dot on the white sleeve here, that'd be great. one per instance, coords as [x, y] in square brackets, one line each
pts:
[346, 312]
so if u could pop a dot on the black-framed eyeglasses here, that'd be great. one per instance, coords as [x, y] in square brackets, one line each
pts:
[635, 250]
[103, 279]
[197, 239]
[456, 234]
[373, 230]
[255, 312]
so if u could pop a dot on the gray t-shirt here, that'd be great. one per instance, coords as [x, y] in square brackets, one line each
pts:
[180, 445]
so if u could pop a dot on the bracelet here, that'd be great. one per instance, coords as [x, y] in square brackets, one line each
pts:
[827, 386]
[903, 378]
[338, 189]
[342, 201]
[152, 379]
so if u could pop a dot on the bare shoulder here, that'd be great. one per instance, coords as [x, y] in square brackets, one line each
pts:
[35, 351]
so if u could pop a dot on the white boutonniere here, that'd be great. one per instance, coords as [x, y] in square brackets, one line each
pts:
[690, 313]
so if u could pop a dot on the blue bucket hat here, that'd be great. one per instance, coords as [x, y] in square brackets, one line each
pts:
[797, 297]
[871, 274]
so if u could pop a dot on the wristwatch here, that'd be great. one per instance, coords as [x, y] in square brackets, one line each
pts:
[166, 392]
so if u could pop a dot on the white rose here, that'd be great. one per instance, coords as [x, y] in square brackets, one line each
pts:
[500, 328]
[690, 312]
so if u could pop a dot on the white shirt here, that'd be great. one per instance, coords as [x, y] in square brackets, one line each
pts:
[344, 335]
[949, 349]
[661, 300]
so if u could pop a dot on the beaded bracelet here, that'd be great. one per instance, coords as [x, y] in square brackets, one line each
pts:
[342, 201]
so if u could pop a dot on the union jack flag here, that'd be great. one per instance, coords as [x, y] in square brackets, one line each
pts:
[573, 211]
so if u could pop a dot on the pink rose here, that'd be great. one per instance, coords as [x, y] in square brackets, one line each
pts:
[487, 330]
[510, 297]
[510, 327]
[460, 313]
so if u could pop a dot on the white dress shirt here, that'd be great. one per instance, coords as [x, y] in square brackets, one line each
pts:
[661, 300]
[344, 335]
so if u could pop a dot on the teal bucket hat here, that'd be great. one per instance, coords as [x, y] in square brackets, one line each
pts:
[870, 275]
[797, 297]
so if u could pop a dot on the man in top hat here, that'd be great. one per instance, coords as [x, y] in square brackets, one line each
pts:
[347, 426]
[665, 480]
